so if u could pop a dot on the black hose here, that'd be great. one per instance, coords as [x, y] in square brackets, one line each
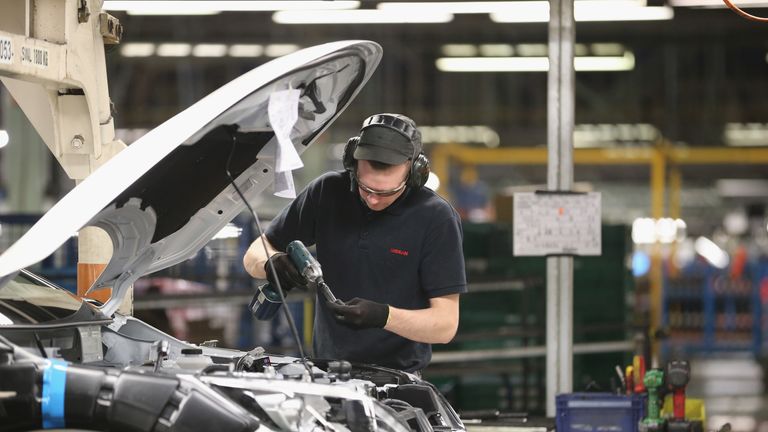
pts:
[259, 232]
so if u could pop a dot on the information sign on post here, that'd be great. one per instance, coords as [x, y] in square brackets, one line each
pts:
[557, 223]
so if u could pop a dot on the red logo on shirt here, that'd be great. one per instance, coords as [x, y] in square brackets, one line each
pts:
[399, 251]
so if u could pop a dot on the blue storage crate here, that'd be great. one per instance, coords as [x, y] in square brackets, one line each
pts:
[599, 412]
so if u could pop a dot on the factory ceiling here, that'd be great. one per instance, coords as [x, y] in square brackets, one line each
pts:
[693, 77]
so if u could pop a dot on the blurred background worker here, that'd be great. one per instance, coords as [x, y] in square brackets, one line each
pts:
[389, 247]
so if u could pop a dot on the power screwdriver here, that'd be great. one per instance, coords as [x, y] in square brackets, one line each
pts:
[309, 268]
[677, 376]
[267, 301]
[653, 422]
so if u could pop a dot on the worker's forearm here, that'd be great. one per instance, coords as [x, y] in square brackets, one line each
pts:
[256, 256]
[422, 325]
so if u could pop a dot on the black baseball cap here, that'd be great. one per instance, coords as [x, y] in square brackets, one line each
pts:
[387, 138]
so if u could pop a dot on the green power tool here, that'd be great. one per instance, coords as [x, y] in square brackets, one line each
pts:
[267, 301]
[309, 268]
[654, 380]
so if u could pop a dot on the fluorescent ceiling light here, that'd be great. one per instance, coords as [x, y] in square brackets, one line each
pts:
[580, 49]
[711, 252]
[139, 7]
[246, 50]
[644, 231]
[459, 50]
[718, 3]
[604, 11]
[483, 7]
[209, 50]
[531, 50]
[178, 49]
[607, 49]
[360, 16]
[459, 7]
[460, 135]
[174, 49]
[532, 64]
[523, 12]
[496, 50]
[137, 49]
[604, 64]
[746, 134]
[585, 10]
[493, 64]
[664, 230]
[527, 50]
[4, 138]
[262, 5]
[200, 7]
[586, 135]
[278, 50]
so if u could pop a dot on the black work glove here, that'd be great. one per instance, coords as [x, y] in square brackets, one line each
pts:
[360, 313]
[285, 271]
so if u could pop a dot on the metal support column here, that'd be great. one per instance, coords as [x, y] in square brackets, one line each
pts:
[658, 194]
[675, 188]
[560, 119]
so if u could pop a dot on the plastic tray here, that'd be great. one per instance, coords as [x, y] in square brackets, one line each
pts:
[603, 412]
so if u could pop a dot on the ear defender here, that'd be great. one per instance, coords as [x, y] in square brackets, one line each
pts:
[420, 166]
[348, 160]
[419, 172]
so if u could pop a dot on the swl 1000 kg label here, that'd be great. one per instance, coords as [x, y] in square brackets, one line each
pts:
[34, 56]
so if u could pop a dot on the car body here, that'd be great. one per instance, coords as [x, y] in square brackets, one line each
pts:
[70, 363]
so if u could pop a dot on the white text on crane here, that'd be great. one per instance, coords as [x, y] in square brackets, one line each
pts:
[6, 50]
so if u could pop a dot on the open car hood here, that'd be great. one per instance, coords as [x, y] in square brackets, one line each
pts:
[165, 196]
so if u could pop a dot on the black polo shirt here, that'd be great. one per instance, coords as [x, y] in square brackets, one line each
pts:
[403, 256]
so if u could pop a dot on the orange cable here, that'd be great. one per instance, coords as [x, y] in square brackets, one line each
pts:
[746, 15]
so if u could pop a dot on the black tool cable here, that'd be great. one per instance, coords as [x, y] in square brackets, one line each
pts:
[260, 232]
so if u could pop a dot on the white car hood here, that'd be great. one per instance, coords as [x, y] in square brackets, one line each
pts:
[165, 196]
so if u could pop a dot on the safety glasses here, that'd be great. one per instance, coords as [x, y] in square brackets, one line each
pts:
[381, 193]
